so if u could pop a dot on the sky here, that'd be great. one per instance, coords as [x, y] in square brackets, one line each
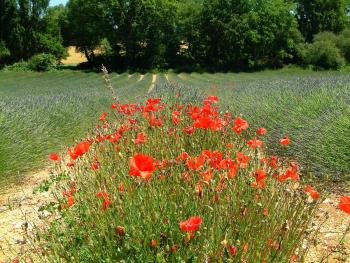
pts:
[57, 2]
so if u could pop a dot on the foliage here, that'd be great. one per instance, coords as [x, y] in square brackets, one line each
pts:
[18, 67]
[200, 193]
[43, 62]
[322, 54]
[27, 27]
[315, 16]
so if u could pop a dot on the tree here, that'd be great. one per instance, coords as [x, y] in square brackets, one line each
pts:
[239, 33]
[315, 16]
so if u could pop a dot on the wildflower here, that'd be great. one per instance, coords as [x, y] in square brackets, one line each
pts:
[106, 200]
[54, 157]
[153, 243]
[285, 140]
[242, 159]
[196, 163]
[95, 166]
[344, 204]
[255, 143]
[191, 224]
[173, 248]
[142, 165]
[189, 129]
[207, 175]
[232, 250]
[313, 193]
[261, 131]
[240, 125]
[140, 138]
[103, 116]
[211, 99]
[120, 230]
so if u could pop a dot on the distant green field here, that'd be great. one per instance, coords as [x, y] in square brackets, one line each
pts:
[44, 112]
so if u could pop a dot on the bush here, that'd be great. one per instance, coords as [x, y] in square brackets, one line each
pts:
[171, 181]
[322, 54]
[43, 62]
[18, 67]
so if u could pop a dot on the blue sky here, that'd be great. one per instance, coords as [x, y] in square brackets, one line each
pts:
[57, 2]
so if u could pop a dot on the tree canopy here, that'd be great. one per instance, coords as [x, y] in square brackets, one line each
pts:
[213, 34]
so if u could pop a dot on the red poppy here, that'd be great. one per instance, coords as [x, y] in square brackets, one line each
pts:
[313, 193]
[261, 131]
[207, 175]
[255, 143]
[285, 140]
[103, 116]
[196, 163]
[242, 160]
[54, 157]
[232, 250]
[175, 117]
[106, 200]
[203, 122]
[240, 125]
[344, 204]
[189, 129]
[95, 166]
[191, 224]
[141, 165]
[79, 150]
[211, 99]
[140, 138]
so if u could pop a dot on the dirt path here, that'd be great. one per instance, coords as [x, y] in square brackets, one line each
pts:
[154, 80]
[19, 213]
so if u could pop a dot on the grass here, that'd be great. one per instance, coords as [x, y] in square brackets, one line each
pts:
[43, 112]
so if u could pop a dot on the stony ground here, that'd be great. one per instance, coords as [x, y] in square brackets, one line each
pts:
[19, 215]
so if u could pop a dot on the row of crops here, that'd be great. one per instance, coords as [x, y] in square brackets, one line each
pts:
[43, 112]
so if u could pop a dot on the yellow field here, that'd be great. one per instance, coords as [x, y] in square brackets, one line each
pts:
[74, 57]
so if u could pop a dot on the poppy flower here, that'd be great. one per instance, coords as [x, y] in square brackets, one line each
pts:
[240, 125]
[203, 122]
[196, 163]
[191, 224]
[211, 99]
[106, 200]
[255, 143]
[261, 131]
[141, 166]
[285, 140]
[207, 175]
[232, 250]
[54, 157]
[313, 193]
[189, 129]
[242, 159]
[140, 138]
[344, 204]
[103, 116]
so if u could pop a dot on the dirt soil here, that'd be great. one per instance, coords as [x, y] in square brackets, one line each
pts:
[19, 215]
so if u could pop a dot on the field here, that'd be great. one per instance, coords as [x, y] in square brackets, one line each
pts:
[43, 112]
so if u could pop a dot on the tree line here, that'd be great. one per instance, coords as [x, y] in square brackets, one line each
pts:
[183, 34]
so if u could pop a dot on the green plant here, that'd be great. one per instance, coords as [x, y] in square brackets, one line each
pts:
[42, 62]
[18, 67]
[170, 180]
[322, 54]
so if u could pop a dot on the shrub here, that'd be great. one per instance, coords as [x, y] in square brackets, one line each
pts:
[171, 181]
[322, 54]
[43, 62]
[18, 67]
